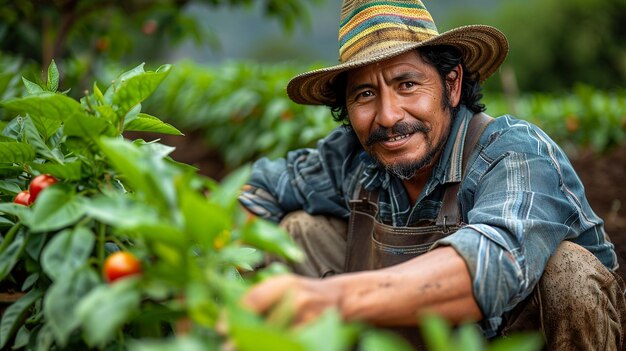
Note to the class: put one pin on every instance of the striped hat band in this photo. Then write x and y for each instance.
(388, 22)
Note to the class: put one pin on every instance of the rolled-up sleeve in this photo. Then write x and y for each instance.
(306, 179)
(521, 211)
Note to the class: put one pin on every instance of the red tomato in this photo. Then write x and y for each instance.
(39, 183)
(121, 264)
(22, 198)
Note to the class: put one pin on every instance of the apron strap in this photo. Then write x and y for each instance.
(450, 213)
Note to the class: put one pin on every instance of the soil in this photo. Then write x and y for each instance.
(602, 176)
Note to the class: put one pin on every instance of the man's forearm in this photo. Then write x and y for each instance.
(437, 281)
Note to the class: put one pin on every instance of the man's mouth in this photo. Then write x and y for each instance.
(399, 137)
(401, 130)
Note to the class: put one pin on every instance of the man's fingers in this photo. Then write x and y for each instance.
(266, 294)
(282, 313)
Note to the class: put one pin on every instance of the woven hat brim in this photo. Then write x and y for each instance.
(484, 48)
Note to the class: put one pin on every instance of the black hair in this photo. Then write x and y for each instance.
(444, 58)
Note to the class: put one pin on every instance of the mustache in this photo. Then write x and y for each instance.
(400, 128)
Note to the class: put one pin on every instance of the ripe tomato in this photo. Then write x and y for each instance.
(39, 183)
(121, 264)
(22, 198)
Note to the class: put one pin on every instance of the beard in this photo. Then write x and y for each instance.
(407, 169)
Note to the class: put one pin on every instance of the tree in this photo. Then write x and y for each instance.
(92, 31)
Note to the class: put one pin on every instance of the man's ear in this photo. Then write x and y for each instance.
(454, 80)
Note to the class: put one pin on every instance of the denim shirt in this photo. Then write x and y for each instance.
(520, 198)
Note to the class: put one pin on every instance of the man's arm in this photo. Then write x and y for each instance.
(306, 179)
(437, 281)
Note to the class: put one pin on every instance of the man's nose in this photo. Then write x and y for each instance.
(389, 110)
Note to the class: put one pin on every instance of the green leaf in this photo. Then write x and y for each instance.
(328, 333)
(187, 343)
(14, 152)
(7, 222)
(133, 87)
(119, 210)
(21, 338)
(160, 232)
(47, 105)
(10, 256)
(10, 171)
(54, 209)
(12, 316)
(44, 338)
(30, 281)
(201, 305)
(374, 340)
(269, 237)
(66, 252)
(227, 193)
(518, 342)
(242, 257)
(272, 270)
(106, 308)
(14, 129)
(146, 123)
(8, 187)
(437, 333)
(155, 150)
(470, 338)
(145, 171)
(21, 211)
(32, 88)
(62, 298)
(46, 126)
(35, 139)
(87, 126)
(53, 77)
(35, 243)
(97, 93)
(248, 338)
(66, 171)
(204, 220)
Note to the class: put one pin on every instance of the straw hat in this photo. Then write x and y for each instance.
(372, 31)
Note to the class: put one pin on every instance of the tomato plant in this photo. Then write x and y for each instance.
(114, 195)
(121, 264)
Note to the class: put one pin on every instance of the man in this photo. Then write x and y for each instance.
(421, 202)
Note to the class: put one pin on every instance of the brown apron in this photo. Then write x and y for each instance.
(373, 245)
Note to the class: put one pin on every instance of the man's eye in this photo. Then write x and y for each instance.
(365, 94)
(407, 85)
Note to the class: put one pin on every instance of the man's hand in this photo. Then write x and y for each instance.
(437, 281)
(304, 298)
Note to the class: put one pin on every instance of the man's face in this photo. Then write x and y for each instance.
(396, 107)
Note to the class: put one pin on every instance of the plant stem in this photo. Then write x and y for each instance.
(101, 242)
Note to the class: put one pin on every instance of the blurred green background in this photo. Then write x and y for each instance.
(232, 58)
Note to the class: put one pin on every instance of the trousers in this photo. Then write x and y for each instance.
(578, 304)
